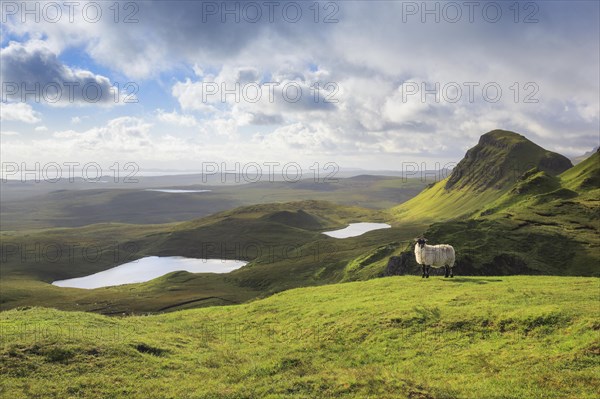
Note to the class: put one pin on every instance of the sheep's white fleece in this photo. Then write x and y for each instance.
(435, 255)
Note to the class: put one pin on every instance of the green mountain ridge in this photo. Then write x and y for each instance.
(586, 174)
(585, 156)
(499, 158)
(545, 222)
(487, 171)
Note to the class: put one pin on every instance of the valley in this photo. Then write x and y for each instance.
(515, 321)
(544, 221)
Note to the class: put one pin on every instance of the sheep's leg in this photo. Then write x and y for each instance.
(446, 271)
(423, 275)
(451, 272)
(427, 272)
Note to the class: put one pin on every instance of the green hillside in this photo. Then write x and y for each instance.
(487, 171)
(542, 223)
(499, 158)
(282, 243)
(585, 156)
(586, 175)
(400, 337)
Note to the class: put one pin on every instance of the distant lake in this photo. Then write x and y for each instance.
(177, 191)
(356, 229)
(149, 268)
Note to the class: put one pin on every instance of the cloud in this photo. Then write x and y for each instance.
(41, 129)
(176, 118)
(190, 96)
(259, 118)
(18, 112)
(124, 134)
(9, 133)
(31, 72)
(178, 48)
(253, 97)
(122, 139)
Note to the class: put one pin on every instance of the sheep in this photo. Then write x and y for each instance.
(434, 256)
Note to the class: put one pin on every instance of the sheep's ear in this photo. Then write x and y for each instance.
(416, 239)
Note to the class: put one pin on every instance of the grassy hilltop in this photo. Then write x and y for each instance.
(400, 337)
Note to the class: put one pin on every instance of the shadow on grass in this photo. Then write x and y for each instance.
(472, 280)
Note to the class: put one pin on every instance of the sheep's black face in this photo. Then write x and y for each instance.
(421, 242)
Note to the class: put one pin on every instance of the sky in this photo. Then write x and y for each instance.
(361, 84)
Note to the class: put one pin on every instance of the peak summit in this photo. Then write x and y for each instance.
(500, 157)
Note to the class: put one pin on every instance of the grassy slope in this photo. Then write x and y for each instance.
(583, 157)
(540, 223)
(488, 170)
(435, 203)
(585, 175)
(283, 242)
(557, 218)
(474, 337)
